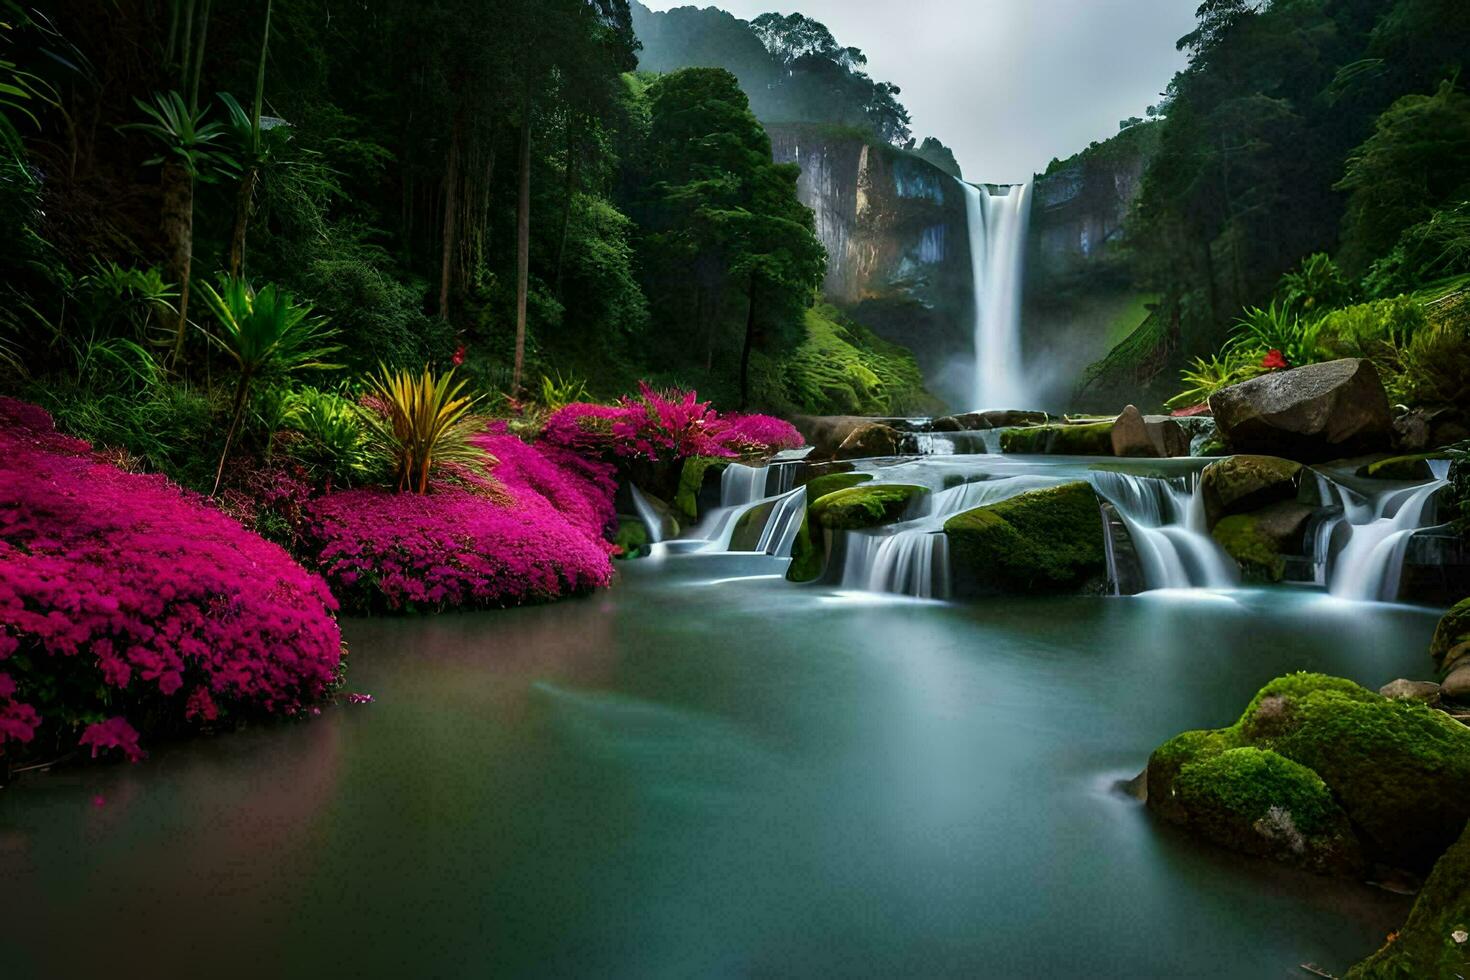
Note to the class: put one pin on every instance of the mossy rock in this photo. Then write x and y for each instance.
(1259, 802)
(1451, 643)
(1241, 484)
(1398, 769)
(1043, 541)
(691, 481)
(1403, 469)
(1085, 439)
(632, 537)
(862, 507)
(1435, 942)
(1259, 541)
(750, 525)
(809, 550)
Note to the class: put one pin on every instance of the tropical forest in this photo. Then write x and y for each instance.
(610, 488)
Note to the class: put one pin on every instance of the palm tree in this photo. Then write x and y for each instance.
(266, 334)
(191, 152)
(255, 151)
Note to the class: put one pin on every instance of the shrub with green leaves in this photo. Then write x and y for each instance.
(1205, 377)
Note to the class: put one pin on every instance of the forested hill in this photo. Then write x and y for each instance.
(791, 67)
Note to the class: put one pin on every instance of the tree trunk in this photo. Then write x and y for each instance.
(242, 389)
(566, 204)
(244, 208)
(523, 245)
(745, 351)
(178, 236)
(451, 212)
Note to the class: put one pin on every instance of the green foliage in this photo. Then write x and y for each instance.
(1314, 288)
(1434, 250)
(558, 391)
(1460, 485)
(1413, 164)
(1436, 367)
(1260, 331)
(267, 334)
(422, 423)
(185, 138)
(329, 437)
(841, 368)
(1207, 376)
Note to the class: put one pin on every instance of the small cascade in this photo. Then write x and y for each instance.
(914, 563)
(1369, 565)
(650, 518)
(1166, 520)
(968, 443)
(782, 525)
(998, 218)
(741, 484)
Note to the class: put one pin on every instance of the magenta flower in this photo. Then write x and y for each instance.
(114, 733)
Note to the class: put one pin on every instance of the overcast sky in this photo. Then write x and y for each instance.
(1008, 84)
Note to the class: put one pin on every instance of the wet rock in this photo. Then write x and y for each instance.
(1456, 686)
(1407, 690)
(1260, 540)
(870, 440)
(1154, 436)
(825, 434)
(1313, 413)
(1451, 643)
(1421, 429)
(1044, 541)
(1061, 439)
(1435, 941)
(1399, 770)
(1241, 484)
(699, 486)
(813, 545)
(975, 421)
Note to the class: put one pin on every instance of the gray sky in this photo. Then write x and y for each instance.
(1008, 84)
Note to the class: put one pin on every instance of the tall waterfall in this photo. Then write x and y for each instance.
(998, 219)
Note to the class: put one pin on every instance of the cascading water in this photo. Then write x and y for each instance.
(650, 518)
(1166, 520)
(1369, 566)
(998, 218)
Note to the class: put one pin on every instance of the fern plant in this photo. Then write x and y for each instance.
(1205, 377)
(423, 422)
(1276, 328)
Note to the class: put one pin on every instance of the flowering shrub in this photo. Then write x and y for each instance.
(1274, 360)
(123, 597)
(664, 427)
(534, 534)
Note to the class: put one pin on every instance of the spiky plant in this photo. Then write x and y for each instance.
(267, 334)
(425, 422)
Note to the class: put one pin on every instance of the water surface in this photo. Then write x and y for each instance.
(704, 774)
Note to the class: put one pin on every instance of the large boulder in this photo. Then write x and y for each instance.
(1260, 540)
(1435, 942)
(1399, 770)
(1148, 436)
(1241, 484)
(1313, 413)
(1044, 541)
(865, 506)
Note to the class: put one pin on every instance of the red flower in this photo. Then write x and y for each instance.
(1274, 361)
(458, 357)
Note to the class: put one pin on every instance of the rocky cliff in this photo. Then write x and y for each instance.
(897, 238)
(1081, 298)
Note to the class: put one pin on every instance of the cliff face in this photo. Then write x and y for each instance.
(897, 238)
(1081, 300)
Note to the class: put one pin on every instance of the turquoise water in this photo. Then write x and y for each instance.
(699, 773)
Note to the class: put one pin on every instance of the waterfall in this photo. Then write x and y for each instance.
(741, 484)
(1368, 567)
(998, 219)
(650, 518)
(1166, 520)
(912, 563)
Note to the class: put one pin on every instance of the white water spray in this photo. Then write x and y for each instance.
(998, 220)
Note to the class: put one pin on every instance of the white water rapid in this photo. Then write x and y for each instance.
(998, 219)
(1369, 566)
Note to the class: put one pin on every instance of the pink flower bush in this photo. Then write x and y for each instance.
(123, 596)
(534, 534)
(663, 427)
